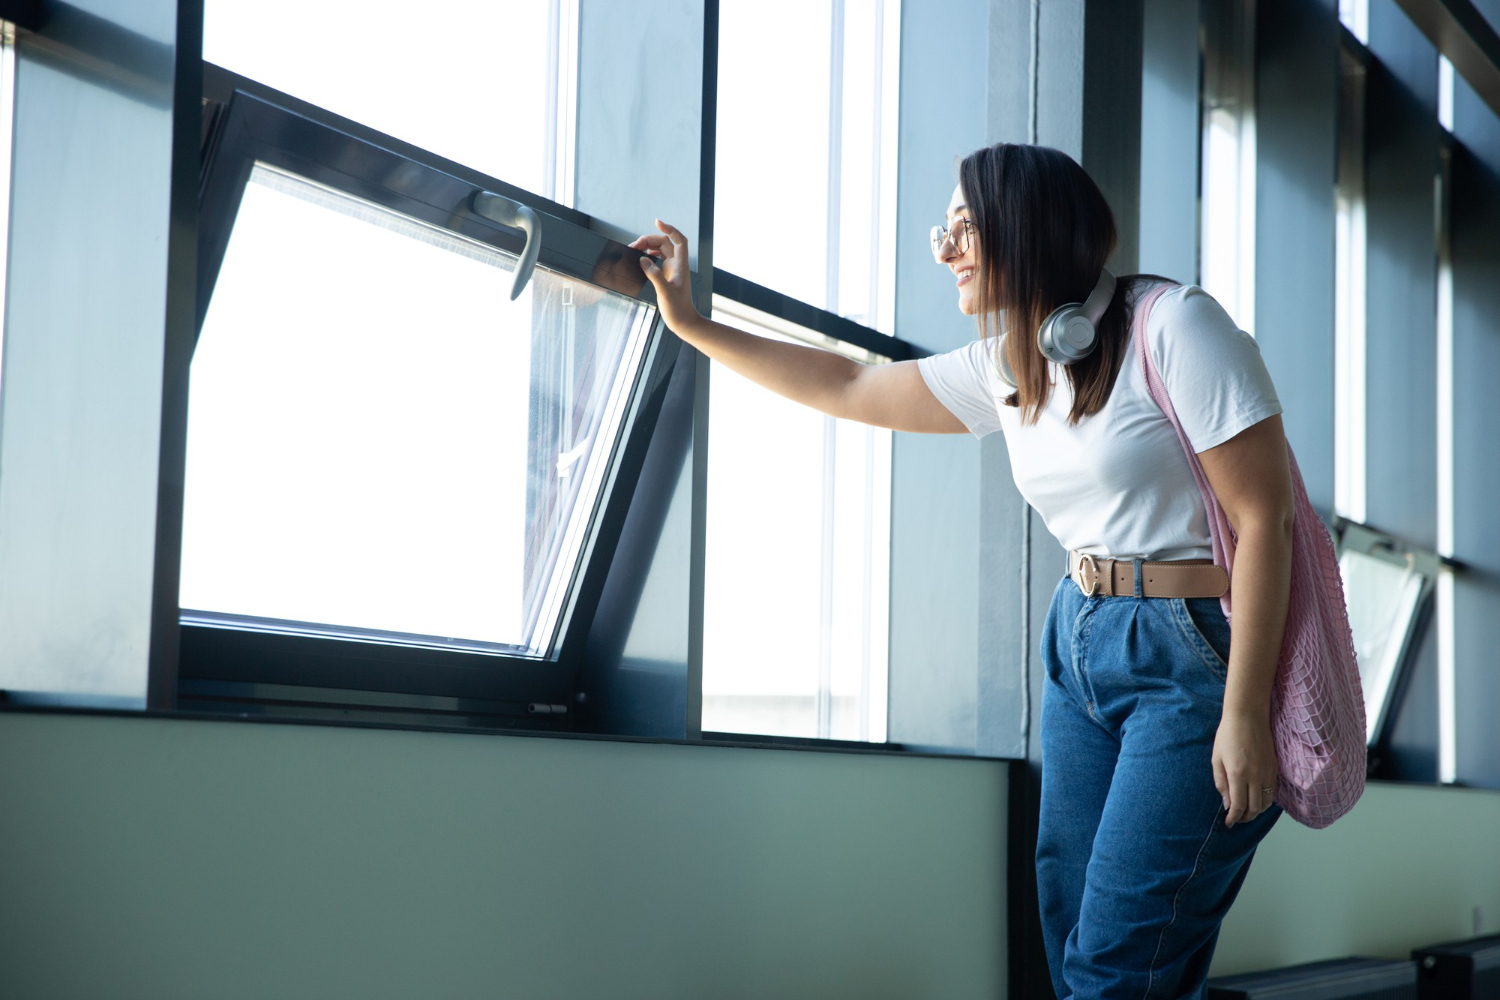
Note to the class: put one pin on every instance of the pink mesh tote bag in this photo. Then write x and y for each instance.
(1317, 705)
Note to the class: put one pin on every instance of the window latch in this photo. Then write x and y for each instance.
(498, 208)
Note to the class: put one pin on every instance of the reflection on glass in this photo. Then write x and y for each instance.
(486, 83)
(1383, 599)
(826, 171)
(378, 438)
(798, 560)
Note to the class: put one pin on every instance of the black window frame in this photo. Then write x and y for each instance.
(242, 664)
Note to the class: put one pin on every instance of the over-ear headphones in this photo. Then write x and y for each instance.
(1068, 334)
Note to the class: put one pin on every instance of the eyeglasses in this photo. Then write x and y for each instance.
(958, 236)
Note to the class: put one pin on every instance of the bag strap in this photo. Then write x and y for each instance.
(1220, 532)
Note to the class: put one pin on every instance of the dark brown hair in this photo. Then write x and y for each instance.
(1044, 233)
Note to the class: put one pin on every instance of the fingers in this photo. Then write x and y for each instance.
(664, 245)
(1221, 780)
(1247, 799)
(660, 246)
(653, 273)
(1237, 804)
(678, 240)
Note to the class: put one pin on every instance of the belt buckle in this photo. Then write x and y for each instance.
(1085, 559)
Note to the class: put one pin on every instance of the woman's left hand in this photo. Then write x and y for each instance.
(1244, 766)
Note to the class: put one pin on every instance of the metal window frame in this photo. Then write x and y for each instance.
(829, 324)
(231, 662)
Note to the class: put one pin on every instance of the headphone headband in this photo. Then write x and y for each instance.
(1100, 298)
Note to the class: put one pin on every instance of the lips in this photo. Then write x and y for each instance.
(965, 276)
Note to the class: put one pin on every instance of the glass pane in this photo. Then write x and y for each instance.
(1355, 15)
(485, 83)
(798, 553)
(1382, 598)
(1226, 266)
(7, 120)
(1349, 329)
(379, 438)
(829, 163)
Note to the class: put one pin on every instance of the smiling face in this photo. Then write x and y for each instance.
(964, 265)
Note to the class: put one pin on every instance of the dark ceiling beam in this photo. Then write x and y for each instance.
(22, 13)
(1462, 34)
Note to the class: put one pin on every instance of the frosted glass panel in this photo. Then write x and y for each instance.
(378, 438)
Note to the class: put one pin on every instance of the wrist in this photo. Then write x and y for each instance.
(1251, 711)
(684, 320)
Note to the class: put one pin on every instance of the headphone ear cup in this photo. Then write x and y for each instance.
(1066, 336)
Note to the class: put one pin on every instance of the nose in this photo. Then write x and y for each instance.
(947, 252)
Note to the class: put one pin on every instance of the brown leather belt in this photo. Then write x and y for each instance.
(1101, 577)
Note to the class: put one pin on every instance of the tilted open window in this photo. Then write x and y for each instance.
(385, 446)
(1389, 586)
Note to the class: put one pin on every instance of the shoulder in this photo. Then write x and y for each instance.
(967, 382)
(973, 363)
(1212, 370)
(1187, 322)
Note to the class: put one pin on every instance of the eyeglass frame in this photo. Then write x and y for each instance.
(939, 235)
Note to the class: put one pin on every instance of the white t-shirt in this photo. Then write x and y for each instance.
(1118, 484)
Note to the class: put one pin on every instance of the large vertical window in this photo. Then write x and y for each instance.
(1226, 266)
(797, 554)
(1349, 484)
(796, 594)
(492, 88)
(804, 196)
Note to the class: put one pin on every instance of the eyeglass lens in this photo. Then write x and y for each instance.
(959, 235)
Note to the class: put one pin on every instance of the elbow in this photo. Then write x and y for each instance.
(1271, 526)
(1283, 521)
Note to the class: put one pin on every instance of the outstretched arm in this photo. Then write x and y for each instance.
(891, 395)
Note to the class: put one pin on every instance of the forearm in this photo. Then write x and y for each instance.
(1262, 582)
(808, 375)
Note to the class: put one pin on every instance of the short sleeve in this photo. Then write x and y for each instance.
(1212, 369)
(962, 381)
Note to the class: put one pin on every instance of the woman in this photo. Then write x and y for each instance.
(1158, 766)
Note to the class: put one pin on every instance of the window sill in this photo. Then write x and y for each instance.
(357, 719)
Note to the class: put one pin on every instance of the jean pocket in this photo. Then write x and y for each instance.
(1202, 623)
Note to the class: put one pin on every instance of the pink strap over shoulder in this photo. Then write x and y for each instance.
(1317, 705)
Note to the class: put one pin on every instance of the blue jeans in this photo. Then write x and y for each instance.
(1135, 868)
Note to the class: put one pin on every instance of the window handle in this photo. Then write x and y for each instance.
(510, 213)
